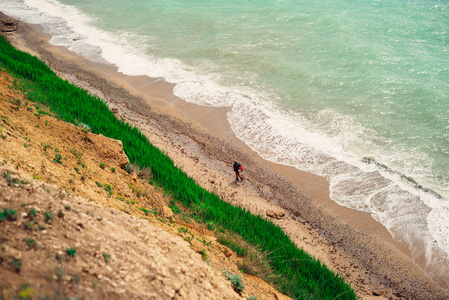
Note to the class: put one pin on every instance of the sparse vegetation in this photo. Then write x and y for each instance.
(204, 255)
(29, 226)
(8, 176)
(236, 281)
(58, 158)
(32, 213)
(45, 146)
(31, 243)
(71, 252)
(49, 217)
(17, 264)
(59, 272)
(8, 215)
(106, 256)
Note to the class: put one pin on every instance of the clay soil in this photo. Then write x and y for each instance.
(70, 194)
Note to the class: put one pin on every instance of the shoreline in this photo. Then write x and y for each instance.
(199, 140)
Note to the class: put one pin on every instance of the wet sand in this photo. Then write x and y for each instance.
(200, 141)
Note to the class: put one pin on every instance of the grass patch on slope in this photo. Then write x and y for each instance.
(298, 275)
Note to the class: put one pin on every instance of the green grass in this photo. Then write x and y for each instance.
(298, 275)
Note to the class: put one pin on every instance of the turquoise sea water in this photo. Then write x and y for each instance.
(357, 91)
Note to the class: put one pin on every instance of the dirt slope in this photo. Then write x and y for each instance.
(69, 194)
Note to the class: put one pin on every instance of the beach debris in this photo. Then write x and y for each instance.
(114, 110)
(275, 214)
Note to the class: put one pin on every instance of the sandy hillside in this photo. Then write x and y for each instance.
(200, 142)
(73, 223)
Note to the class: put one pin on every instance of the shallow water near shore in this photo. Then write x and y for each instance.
(356, 93)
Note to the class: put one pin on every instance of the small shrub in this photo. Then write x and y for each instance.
(108, 188)
(251, 297)
(32, 213)
(31, 243)
(130, 168)
(107, 257)
(8, 176)
(49, 217)
(58, 158)
(146, 211)
(17, 264)
(29, 226)
(85, 127)
(8, 214)
(59, 272)
(45, 146)
(236, 281)
(204, 255)
(71, 252)
(112, 170)
(27, 293)
(102, 165)
(146, 174)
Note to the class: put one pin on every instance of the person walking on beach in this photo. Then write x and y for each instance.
(238, 171)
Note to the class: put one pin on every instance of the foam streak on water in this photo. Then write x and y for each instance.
(353, 91)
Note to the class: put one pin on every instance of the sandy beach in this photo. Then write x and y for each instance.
(200, 141)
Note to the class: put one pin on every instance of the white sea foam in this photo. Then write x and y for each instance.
(411, 214)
